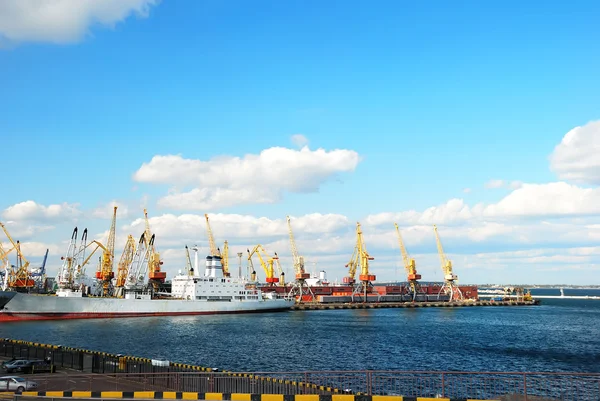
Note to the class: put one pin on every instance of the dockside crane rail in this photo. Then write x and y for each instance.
(410, 266)
(214, 251)
(105, 272)
(155, 275)
(21, 277)
(450, 278)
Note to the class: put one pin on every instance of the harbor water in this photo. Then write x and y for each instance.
(560, 335)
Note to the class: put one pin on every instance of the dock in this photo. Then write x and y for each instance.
(379, 305)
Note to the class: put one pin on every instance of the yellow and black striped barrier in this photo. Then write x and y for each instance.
(172, 395)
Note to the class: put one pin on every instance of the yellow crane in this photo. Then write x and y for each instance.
(411, 270)
(214, 251)
(225, 259)
(449, 287)
(360, 258)
(5, 263)
(300, 288)
(268, 264)
(20, 278)
(125, 261)
(155, 275)
(105, 272)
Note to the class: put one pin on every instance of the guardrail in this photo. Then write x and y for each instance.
(456, 385)
(120, 373)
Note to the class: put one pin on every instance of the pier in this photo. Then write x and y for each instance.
(378, 305)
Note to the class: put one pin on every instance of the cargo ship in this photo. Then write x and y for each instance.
(190, 294)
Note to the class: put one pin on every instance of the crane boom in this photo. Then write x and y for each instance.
(211, 240)
(105, 272)
(125, 261)
(410, 266)
(155, 275)
(360, 258)
(297, 259)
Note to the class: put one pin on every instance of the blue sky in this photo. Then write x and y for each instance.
(434, 97)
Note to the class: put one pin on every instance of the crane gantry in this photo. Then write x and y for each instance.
(105, 272)
(155, 275)
(214, 251)
(268, 264)
(411, 270)
(299, 287)
(449, 287)
(360, 258)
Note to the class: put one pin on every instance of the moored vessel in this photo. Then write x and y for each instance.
(190, 294)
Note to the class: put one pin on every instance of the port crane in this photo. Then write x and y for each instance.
(449, 287)
(268, 264)
(66, 273)
(214, 251)
(299, 288)
(72, 271)
(105, 272)
(19, 277)
(360, 258)
(138, 267)
(125, 261)
(413, 285)
(155, 275)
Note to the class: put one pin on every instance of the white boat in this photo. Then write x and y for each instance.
(191, 294)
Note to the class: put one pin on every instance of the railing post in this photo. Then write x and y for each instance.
(525, 385)
(443, 384)
(369, 382)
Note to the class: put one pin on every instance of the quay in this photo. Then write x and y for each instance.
(378, 305)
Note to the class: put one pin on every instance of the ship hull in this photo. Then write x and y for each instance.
(49, 307)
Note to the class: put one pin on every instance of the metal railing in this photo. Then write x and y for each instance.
(105, 372)
(475, 385)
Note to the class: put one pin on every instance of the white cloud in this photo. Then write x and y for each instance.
(30, 210)
(227, 181)
(106, 211)
(63, 21)
(299, 140)
(192, 227)
(37, 249)
(552, 199)
(467, 190)
(494, 184)
(577, 157)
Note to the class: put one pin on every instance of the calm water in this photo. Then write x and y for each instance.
(559, 335)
